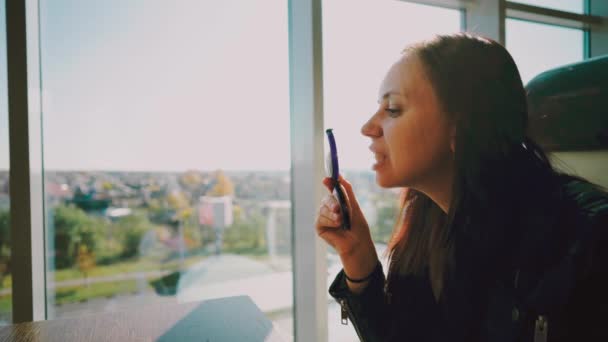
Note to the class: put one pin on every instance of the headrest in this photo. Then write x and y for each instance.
(568, 106)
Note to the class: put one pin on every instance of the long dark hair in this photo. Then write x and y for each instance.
(480, 90)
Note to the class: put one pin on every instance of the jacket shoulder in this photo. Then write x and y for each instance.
(590, 198)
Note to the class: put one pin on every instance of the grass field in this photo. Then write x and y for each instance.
(108, 289)
(129, 266)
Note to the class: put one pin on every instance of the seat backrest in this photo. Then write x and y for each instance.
(568, 117)
(591, 165)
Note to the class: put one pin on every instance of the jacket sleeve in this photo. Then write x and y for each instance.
(589, 306)
(368, 311)
(592, 296)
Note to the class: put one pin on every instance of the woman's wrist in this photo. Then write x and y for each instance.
(367, 277)
(358, 287)
(360, 265)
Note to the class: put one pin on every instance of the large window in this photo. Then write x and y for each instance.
(5, 227)
(166, 141)
(166, 153)
(359, 45)
(538, 47)
(575, 6)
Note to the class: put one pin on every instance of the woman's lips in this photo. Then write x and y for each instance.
(380, 160)
(379, 156)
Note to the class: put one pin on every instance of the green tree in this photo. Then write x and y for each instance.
(131, 229)
(246, 234)
(5, 232)
(5, 237)
(73, 227)
(193, 236)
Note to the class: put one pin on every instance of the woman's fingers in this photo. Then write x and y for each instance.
(348, 188)
(329, 183)
(328, 216)
(325, 222)
(330, 202)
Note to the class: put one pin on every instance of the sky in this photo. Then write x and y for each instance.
(155, 85)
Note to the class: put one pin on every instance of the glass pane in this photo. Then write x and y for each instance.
(359, 45)
(161, 183)
(539, 47)
(575, 6)
(5, 227)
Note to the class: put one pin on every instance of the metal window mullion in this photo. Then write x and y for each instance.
(551, 16)
(486, 18)
(306, 107)
(27, 238)
(453, 4)
(586, 32)
(598, 34)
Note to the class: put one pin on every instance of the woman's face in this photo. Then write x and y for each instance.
(411, 139)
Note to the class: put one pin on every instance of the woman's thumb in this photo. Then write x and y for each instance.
(328, 183)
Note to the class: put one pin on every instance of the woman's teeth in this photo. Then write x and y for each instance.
(379, 157)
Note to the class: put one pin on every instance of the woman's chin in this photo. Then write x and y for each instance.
(383, 181)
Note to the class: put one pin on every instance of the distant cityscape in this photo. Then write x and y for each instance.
(107, 191)
(121, 239)
(216, 209)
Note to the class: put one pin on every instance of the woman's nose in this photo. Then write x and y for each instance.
(371, 128)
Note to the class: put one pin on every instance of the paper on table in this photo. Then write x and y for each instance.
(224, 319)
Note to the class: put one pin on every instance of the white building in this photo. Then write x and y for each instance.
(215, 211)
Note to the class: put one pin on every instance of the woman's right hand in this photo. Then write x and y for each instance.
(346, 242)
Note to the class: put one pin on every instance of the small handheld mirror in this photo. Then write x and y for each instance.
(333, 171)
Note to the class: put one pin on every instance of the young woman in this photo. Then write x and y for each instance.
(492, 243)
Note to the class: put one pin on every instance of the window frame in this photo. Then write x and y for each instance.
(26, 184)
(551, 16)
(306, 134)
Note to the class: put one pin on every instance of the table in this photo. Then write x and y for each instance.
(217, 320)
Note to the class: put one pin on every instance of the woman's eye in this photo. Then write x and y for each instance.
(393, 111)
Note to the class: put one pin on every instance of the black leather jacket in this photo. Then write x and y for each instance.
(562, 297)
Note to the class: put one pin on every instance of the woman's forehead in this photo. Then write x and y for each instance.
(400, 78)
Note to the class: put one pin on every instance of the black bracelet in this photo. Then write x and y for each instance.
(378, 265)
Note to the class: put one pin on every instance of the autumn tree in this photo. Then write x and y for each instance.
(191, 179)
(85, 260)
(180, 204)
(223, 185)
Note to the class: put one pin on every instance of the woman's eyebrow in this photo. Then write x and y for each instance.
(387, 94)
